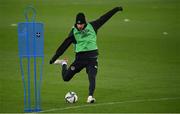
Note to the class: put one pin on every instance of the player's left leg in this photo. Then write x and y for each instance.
(68, 73)
(91, 70)
(75, 67)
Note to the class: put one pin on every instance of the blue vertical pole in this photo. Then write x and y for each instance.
(24, 83)
(28, 69)
(39, 86)
(35, 78)
(20, 35)
(41, 69)
(29, 87)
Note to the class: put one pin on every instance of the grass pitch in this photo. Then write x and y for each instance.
(139, 57)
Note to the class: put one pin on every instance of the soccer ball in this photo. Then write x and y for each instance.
(71, 97)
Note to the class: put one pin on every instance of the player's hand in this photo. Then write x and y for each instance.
(120, 8)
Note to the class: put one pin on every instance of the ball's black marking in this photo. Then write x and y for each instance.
(71, 95)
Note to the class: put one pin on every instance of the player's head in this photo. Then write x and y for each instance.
(80, 21)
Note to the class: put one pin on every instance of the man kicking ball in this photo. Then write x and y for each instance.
(83, 35)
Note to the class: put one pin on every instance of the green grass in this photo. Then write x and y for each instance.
(136, 62)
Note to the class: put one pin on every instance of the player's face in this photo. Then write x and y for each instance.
(80, 26)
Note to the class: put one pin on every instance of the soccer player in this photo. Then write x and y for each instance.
(83, 35)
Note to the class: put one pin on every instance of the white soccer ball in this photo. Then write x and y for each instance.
(71, 97)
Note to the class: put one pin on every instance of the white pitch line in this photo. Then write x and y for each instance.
(111, 103)
(165, 33)
(13, 25)
(126, 20)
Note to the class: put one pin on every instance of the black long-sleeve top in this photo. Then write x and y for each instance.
(97, 24)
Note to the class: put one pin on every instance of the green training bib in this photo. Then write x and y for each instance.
(86, 39)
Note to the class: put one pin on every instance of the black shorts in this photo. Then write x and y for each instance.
(91, 65)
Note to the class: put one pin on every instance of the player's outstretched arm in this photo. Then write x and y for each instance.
(62, 48)
(104, 18)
